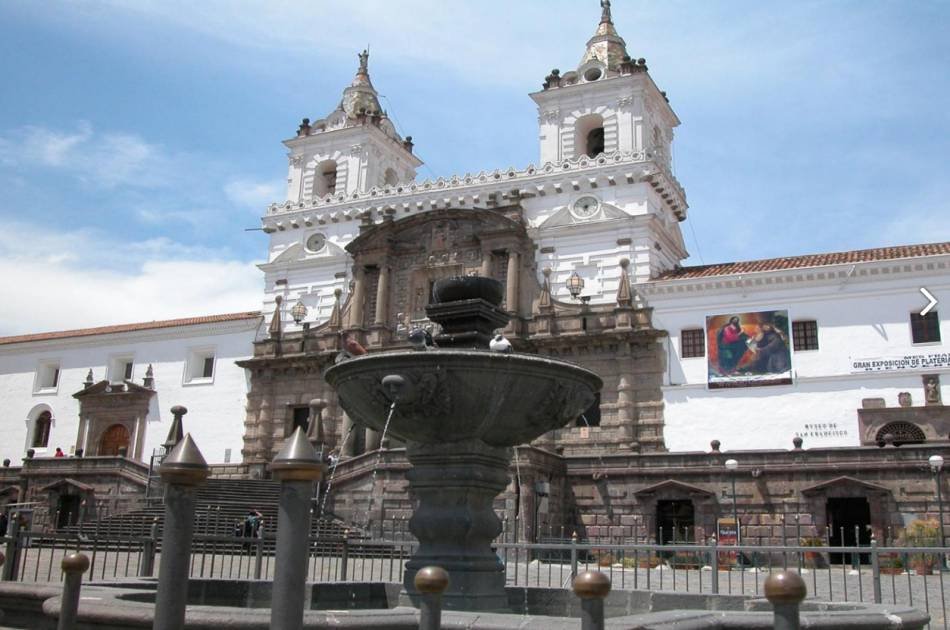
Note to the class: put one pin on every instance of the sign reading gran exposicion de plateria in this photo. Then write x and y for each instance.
(921, 361)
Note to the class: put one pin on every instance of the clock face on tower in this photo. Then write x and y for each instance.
(585, 207)
(316, 242)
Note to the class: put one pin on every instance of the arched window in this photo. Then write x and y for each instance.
(324, 179)
(903, 432)
(390, 179)
(41, 429)
(589, 136)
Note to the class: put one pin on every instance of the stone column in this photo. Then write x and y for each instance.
(372, 439)
(511, 290)
(297, 467)
(348, 445)
(359, 296)
(456, 484)
(485, 271)
(182, 471)
(382, 296)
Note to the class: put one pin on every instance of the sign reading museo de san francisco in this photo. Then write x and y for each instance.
(919, 361)
(748, 349)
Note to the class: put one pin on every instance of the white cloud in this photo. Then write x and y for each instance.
(83, 278)
(254, 194)
(101, 160)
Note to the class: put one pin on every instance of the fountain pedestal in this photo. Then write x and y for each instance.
(456, 484)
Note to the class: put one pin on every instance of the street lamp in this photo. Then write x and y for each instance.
(732, 466)
(298, 312)
(575, 284)
(936, 466)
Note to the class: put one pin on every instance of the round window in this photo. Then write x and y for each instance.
(592, 74)
(316, 242)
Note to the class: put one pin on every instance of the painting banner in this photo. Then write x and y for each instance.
(748, 349)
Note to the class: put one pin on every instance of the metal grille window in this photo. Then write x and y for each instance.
(693, 343)
(805, 335)
(925, 328)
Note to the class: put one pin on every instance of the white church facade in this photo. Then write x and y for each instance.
(834, 354)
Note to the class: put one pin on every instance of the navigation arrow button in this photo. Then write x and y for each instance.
(931, 299)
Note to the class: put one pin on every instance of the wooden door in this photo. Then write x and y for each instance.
(114, 438)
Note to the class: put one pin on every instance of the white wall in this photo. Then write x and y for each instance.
(216, 409)
(864, 316)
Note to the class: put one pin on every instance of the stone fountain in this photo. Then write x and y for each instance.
(461, 409)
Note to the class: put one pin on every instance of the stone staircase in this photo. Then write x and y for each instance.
(221, 506)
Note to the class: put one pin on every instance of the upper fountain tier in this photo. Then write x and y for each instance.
(453, 394)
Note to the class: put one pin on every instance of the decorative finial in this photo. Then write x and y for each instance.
(605, 11)
(89, 381)
(364, 59)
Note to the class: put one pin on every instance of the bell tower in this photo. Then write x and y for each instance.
(608, 103)
(353, 149)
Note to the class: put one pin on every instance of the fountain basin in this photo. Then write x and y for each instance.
(459, 395)
(129, 605)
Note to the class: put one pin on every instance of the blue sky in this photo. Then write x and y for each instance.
(138, 139)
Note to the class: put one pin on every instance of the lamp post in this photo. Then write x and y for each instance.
(936, 466)
(732, 465)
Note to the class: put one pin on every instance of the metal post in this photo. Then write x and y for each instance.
(714, 563)
(147, 568)
(74, 565)
(574, 554)
(345, 555)
(258, 556)
(592, 587)
(431, 582)
(785, 591)
(297, 466)
(13, 531)
(875, 571)
(735, 511)
(943, 537)
(181, 472)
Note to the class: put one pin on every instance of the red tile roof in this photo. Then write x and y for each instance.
(810, 260)
(106, 330)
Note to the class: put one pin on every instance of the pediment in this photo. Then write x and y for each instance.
(564, 217)
(298, 253)
(69, 483)
(106, 388)
(673, 486)
(845, 482)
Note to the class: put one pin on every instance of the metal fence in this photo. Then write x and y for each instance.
(914, 576)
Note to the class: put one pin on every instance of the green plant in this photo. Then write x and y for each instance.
(922, 533)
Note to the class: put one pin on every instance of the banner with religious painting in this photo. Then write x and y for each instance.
(748, 349)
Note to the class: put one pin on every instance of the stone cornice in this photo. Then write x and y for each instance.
(485, 189)
(133, 337)
(841, 274)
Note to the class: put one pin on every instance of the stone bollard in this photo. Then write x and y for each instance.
(592, 587)
(297, 467)
(431, 582)
(785, 591)
(183, 469)
(74, 565)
